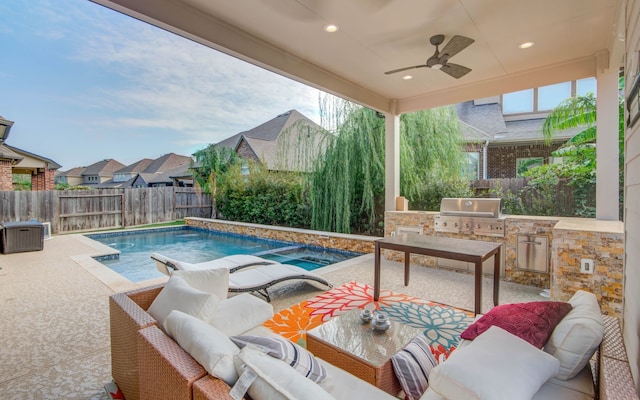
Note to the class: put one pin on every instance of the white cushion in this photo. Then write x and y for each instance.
(275, 379)
(179, 295)
(214, 281)
(495, 366)
(283, 349)
(208, 346)
(577, 336)
(238, 314)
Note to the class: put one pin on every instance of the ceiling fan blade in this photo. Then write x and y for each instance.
(455, 70)
(455, 46)
(405, 69)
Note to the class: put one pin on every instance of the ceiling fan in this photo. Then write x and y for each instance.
(440, 59)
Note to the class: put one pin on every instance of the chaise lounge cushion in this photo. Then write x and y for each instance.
(179, 295)
(207, 345)
(485, 369)
(577, 336)
(533, 321)
(275, 379)
(214, 281)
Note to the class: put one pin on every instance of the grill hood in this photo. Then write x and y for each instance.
(471, 207)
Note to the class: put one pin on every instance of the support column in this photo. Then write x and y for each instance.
(391, 160)
(607, 150)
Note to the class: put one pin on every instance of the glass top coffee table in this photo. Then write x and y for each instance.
(347, 342)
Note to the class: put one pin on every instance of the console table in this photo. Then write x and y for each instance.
(474, 251)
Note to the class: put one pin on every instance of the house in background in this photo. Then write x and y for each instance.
(21, 162)
(99, 172)
(288, 142)
(149, 173)
(72, 177)
(503, 134)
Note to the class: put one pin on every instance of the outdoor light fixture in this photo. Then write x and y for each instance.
(526, 45)
(331, 28)
(5, 127)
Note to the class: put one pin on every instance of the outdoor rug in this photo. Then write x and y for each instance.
(442, 324)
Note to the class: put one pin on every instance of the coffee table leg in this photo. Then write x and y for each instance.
(478, 283)
(376, 276)
(407, 262)
(496, 278)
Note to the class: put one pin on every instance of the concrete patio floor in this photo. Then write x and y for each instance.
(54, 336)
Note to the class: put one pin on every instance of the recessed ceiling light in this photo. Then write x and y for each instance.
(526, 45)
(331, 28)
(407, 77)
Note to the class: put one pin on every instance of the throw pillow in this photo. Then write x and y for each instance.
(177, 294)
(299, 358)
(412, 366)
(214, 281)
(532, 321)
(495, 366)
(577, 336)
(208, 346)
(238, 314)
(275, 379)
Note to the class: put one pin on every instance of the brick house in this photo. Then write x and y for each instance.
(17, 161)
(150, 172)
(500, 144)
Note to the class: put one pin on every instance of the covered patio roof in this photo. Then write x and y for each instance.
(572, 38)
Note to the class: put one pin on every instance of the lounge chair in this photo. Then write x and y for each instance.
(260, 279)
(234, 263)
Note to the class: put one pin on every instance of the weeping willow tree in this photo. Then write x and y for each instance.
(347, 185)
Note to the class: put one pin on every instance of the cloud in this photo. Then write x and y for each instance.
(166, 81)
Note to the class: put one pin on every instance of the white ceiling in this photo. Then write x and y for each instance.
(573, 38)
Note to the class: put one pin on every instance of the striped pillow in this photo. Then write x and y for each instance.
(299, 358)
(412, 366)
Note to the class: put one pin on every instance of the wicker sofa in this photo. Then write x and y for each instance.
(147, 364)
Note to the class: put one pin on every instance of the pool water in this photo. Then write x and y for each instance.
(195, 245)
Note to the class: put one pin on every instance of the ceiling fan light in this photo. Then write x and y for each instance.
(407, 77)
(526, 45)
(436, 66)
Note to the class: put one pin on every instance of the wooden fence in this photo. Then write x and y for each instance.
(81, 210)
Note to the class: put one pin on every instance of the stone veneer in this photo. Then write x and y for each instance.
(569, 240)
(601, 241)
(356, 243)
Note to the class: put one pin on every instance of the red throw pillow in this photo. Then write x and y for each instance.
(532, 321)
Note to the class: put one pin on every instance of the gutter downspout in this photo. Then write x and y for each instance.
(484, 159)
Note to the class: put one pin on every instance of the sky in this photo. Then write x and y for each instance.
(83, 83)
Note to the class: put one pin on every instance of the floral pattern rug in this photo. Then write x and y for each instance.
(442, 324)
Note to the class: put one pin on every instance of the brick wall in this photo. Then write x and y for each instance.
(43, 180)
(245, 151)
(502, 159)
(6, 179)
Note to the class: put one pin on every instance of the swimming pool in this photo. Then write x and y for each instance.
(194, 245)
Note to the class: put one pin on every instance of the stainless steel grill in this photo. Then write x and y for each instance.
(470, 216)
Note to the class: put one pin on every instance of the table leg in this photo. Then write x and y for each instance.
(478, 291)
(407, 261)
(496, 278)
(376, 276)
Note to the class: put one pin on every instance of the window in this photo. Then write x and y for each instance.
(550, 96)
(545, 98)
(471, 169)
(518, 102)
(525, 164)
(584, 86)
